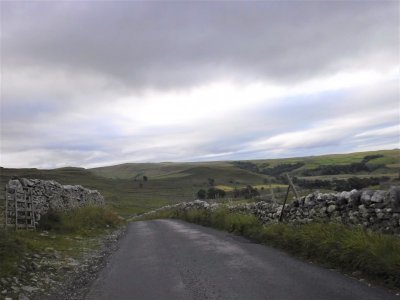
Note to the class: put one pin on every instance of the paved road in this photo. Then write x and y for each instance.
(173, 260)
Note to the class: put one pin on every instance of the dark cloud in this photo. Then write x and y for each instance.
(175, 44)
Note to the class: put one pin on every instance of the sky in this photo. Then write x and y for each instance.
(95, 83)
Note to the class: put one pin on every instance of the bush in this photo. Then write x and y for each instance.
(248, 192)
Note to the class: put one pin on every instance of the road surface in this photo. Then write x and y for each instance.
(174, 260)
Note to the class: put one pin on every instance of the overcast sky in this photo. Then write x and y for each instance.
(88, 84)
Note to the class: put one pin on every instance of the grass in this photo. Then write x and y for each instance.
(389, 157)
(170, 183)
(350, 249)
(69, 233)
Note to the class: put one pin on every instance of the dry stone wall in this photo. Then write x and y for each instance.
(45, 195)
(376, 210)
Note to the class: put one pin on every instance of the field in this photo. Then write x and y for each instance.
(138, 187)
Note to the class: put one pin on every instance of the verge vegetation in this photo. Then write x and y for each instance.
(67, 232)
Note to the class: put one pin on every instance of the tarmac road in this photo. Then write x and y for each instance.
(173, 260)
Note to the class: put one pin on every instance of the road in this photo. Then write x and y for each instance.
(173, 260)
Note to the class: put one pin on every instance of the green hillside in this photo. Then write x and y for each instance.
(132, 194)
(389, 157)
(126, 189)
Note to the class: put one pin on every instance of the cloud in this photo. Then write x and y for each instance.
(391, 131)
(87, 84)
(169, 45)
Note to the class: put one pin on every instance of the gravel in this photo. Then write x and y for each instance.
(48, 275)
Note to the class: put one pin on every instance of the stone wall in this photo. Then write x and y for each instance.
(48, 194)
(377, 210)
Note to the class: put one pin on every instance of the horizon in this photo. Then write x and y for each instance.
(101, 84)
(208, 161)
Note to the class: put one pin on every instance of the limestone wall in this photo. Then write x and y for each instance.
(48, 194)
(377, 210)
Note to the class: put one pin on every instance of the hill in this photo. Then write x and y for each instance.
(138, 187)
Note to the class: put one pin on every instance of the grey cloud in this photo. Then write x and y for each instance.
(93, 139)
(64, 65)
(175, 44)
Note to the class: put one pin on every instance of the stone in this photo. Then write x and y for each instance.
(341, 201)
(366, 196)
(35, 266)
(22, 297)
(29, 289)
(15, 288)
(309, 200)
(378, 196)
(362, 209)
(380, 215)
(312, 212)
(354, 198)
(331, 208)
(344, 195)
(394, 197)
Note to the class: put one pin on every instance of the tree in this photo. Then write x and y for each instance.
(201, 194)
(145, 178)
(247, 192)
(211, 181)
(213, 193)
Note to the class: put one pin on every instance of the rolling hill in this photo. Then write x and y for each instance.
(127, 191)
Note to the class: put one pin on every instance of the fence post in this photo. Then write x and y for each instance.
(290, 185)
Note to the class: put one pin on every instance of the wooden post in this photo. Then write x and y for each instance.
(292, 186)
(284, 202)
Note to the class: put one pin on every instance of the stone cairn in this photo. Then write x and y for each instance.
(376, 210)
(28, 199)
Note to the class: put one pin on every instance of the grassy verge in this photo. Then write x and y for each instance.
(70, 233)
(370, 255)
